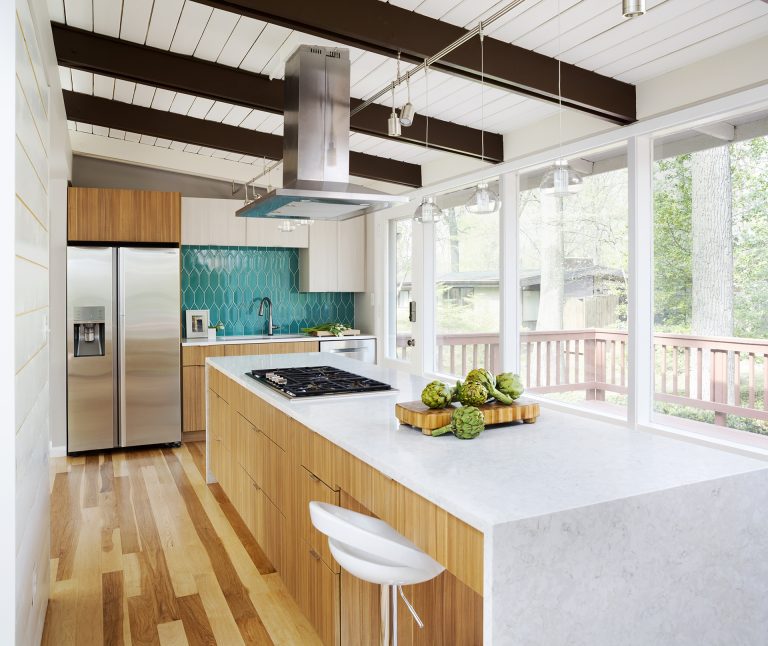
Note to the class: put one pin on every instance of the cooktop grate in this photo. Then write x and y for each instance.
(316, 381)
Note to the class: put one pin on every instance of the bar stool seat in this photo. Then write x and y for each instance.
(373, 551)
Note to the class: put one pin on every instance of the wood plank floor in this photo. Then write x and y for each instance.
(144, 552)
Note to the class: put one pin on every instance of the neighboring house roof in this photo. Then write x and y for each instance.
(528, 278)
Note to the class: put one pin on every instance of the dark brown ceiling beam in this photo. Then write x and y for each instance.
(387, 29)
(212, 134)
(121, 59)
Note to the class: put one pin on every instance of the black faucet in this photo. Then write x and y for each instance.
(270, 328)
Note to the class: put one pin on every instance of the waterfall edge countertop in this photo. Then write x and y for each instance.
(263, 338)
(509, 472)
(593, 534)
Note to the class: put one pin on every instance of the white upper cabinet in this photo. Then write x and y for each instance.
(335, 258)
(263, 232)
(208, 221)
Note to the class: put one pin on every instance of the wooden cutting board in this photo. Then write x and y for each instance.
(344, 333)
(419, 416)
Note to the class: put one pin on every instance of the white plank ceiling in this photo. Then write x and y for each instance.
(588, 33)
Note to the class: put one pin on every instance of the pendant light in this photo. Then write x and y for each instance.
(633, 8)
(560, 181)
(393, 123)
(427, 212)
(407, 112)
(483, 200)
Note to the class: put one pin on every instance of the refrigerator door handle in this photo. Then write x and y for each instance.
(122, 423)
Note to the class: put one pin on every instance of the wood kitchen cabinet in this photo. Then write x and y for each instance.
(334, 261)
(193, 373)
(270, 467)
(209, 221)
(120, 215)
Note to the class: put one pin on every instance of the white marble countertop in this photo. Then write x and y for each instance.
(276, 338)
(508, 473)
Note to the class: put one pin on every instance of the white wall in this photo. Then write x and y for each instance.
(41, 159)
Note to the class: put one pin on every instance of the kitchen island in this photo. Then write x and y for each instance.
(586, 532)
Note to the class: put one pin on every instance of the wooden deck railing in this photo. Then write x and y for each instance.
(728, 376)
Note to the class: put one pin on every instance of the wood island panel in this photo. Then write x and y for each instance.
(270, 467)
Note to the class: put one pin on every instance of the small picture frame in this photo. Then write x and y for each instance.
(197, 324)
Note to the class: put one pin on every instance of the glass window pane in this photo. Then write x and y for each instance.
(401, 288)
(467, 286)
(573, 251)
(711, 279)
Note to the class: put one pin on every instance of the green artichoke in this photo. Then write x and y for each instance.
(509, 383)
(466, 423)
(482, 376)
(436, 395)
(473, 393)
(456, 391)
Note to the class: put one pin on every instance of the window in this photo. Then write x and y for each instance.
(711, 278)
(573, 254)
(466, 286)
(400, 280)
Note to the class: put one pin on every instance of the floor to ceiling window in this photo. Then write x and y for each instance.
(573, 252)
(711, 276)
(466, 255)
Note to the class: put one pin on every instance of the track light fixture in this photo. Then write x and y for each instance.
(633, 8)
(407, 112)
(393, 123)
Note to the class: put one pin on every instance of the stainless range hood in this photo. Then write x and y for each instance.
(316, 145)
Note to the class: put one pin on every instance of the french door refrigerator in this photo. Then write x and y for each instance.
(123, 331)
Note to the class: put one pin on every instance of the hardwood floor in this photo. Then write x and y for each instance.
(144, 552)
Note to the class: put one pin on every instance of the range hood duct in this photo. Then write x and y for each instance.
(316, 145)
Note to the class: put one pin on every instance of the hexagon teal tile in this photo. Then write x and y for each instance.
(230, 281)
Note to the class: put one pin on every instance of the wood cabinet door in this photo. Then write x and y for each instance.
(318, 264)
(193, 398)
(352, 255)
(123, 215)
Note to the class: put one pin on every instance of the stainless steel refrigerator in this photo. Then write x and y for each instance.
(123, 331)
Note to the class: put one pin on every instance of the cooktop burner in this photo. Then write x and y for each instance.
(316, 381)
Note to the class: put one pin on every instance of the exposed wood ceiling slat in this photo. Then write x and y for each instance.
(86, 51)
(91, 110)
(387, 29)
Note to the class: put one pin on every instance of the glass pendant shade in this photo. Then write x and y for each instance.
(483, 200)
(561, 180)
(427, 212)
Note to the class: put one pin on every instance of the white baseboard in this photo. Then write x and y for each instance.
(56, 451)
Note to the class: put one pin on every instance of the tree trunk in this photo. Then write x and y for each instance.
(453, 239)
(712, 262)
(552, 286)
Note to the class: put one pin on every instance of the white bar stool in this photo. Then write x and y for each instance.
(371, 550)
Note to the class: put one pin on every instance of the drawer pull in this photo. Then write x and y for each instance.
(314, 554)
(313, 476)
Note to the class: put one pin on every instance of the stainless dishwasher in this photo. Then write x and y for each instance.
(360, 349)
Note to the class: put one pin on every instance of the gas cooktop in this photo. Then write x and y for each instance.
(316, 381)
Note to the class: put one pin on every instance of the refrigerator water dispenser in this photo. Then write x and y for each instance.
(88, 331)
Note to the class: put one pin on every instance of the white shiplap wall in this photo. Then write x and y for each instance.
(31, 331)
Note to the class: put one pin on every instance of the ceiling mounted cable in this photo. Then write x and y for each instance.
(469, 35)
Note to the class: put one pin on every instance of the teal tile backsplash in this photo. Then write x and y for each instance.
(230, 282)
